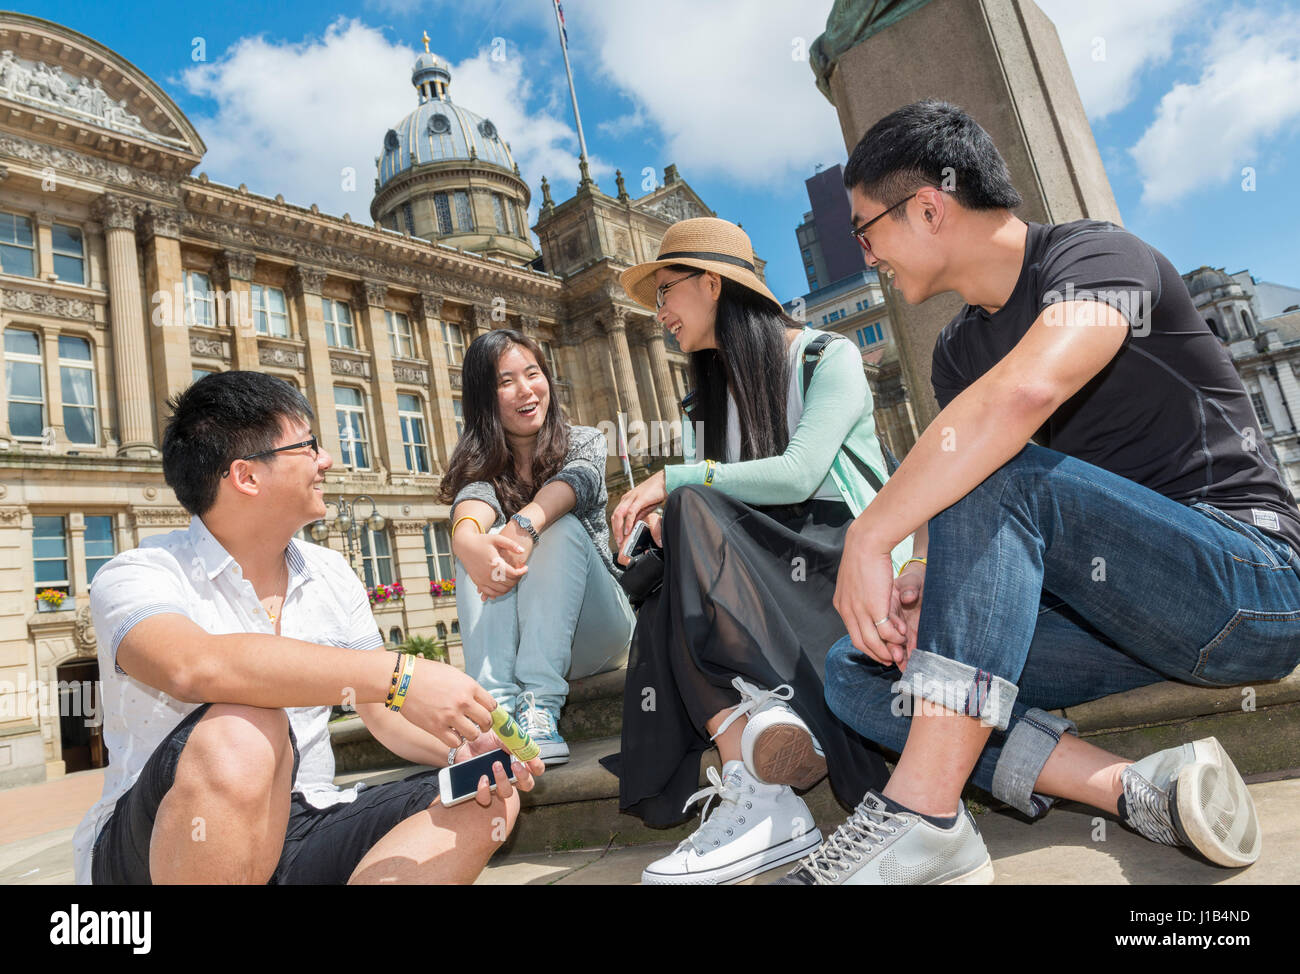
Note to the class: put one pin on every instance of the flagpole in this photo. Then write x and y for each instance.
(573, 94)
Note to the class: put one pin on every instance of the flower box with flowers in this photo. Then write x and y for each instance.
(386, 595)
(53, 600)
(440, 589)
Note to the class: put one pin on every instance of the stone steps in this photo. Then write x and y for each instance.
(576, 805)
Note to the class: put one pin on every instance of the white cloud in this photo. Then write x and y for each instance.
(719, 81)
(1110, 43)
(290, 118)
(1249, 91)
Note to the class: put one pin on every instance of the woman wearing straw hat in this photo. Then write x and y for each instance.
(732, 648)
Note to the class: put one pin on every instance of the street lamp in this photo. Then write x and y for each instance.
(349, 527)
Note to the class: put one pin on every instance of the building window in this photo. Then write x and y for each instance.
(408, 215)
(464, 218)
(376, 558)
(270, 313)
(395, 635)
(521, 221)
(17, 246)
(454, 342)
(349, 409)
(499, 212)
(1261, 409)
(77, 377)
(414, 443)
(198, 300)
(399, 335)
(443, 209)
(549, 353)
(69, 254)
(50, 554)
(99, 544)
(437, 552)
(459, 410)
(339, 330)
(870, 335)
(24, 383)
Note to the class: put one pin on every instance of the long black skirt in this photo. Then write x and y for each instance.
(747, 592)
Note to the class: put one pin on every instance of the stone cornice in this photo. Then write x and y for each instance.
(87, 167)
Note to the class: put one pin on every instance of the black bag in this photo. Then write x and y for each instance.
(645, 575)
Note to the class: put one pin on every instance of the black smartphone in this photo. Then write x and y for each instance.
(460, 781)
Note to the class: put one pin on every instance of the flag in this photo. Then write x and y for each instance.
(559, 9)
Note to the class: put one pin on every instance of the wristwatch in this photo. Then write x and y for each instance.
(527, 525)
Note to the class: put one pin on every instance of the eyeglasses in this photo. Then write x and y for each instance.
(315, 449)
(662, 288)
(860, 233)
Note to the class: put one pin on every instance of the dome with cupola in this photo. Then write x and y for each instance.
(446, 173)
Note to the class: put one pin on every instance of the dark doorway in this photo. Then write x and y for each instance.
(81, 716)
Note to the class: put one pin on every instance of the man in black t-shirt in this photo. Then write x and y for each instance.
(1143, 535)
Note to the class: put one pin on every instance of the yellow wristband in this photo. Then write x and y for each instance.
(404, 684)
(708, 472)
(466, 517)
(908, 562)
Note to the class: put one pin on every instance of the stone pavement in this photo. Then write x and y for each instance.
(37, 822)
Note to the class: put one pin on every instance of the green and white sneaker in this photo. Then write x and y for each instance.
(885, 844)
(1192, 795)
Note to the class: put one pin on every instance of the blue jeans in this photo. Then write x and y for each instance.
(1055, 582)
(566, 618)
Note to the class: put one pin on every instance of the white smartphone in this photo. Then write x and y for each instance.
(460, 782)
(638, 540)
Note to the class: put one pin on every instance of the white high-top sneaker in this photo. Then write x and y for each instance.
(753, 828)
(777, 746)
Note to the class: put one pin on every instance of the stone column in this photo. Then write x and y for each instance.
(44, 255)
(480, 323)
(304, 290)
(427, 307)
(370, 297)
(1288, 388)
(412, 568)
(615, 324)
(1001, 60)
(135, 432)
(648, 396)
(233, 275)
(159, 232)
(669, 408)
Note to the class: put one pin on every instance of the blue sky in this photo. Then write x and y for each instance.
(1191, 102)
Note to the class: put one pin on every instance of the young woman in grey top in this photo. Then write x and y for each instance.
(536, 589)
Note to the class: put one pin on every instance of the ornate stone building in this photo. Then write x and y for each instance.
(123, 278)
(1259, 324)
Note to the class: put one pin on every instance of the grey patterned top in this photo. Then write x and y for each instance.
(584, 471)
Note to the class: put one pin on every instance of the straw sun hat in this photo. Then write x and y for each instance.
(705, 242)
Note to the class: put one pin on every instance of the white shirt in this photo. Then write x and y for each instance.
(793, 413)
(190, 573)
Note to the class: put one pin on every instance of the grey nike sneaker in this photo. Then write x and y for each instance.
(884, 844)
(1192, 795)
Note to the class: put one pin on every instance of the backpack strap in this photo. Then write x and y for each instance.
(812, 354)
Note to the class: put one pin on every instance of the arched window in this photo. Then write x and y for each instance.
(442, 630)
(395, 635)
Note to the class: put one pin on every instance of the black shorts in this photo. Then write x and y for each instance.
(322, 846)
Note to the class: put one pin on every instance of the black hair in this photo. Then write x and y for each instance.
(751, 361)
(217, 420)
(482, 452)
(930, 143)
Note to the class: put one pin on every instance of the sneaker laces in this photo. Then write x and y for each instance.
(535, 721)
(752, 699)
(849, 844)
(715, 828)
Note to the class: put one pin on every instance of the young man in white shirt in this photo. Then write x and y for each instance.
(222, 649)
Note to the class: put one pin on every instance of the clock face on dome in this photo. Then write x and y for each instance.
(391, 141)
(439, 123)
(487, 129)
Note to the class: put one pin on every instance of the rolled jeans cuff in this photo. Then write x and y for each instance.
(959, 687)
(1026, 750)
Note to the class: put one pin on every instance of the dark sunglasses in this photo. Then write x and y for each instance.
(315, 449)
(860, 233)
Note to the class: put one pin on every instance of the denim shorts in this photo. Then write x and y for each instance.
(322, 846)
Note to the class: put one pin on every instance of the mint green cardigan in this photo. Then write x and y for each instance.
(837, 410)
